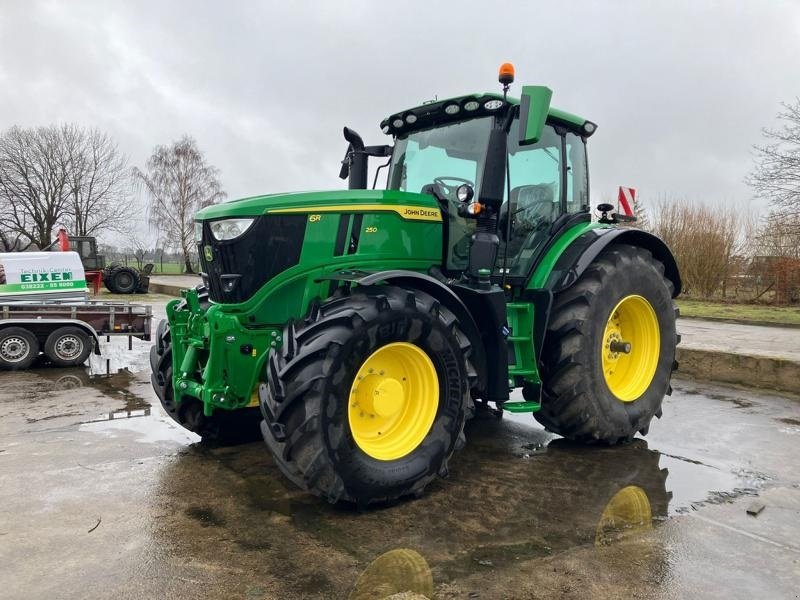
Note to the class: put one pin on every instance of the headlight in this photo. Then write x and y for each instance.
(228, 229)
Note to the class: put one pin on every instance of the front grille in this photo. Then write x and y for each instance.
(239, 267)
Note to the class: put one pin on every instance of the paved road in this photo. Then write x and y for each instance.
(775, 342)
(101, 495)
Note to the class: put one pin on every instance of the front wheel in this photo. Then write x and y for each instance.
(366, 399)
(224, 427)
(610, 349)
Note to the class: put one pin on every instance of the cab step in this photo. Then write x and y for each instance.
(522, 407)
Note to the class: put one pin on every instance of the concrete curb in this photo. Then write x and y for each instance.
(740, 369)
(704, 365)
(744, 322)
(166, 288)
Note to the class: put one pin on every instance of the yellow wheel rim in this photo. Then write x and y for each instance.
(627, 513)
(393, 401)
(631, 347)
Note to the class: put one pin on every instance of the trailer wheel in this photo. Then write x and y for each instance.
(122, 280)
(18, 348)
(367, 397)
(68, 346)
(610, 349)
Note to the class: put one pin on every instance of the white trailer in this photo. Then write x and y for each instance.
(45, 308)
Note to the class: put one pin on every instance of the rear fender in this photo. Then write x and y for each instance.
(579, 255)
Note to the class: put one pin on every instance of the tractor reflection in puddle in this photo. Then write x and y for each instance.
(519, 496)
(628, 514)
(393, 572)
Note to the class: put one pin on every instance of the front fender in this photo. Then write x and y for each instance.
(439, 290)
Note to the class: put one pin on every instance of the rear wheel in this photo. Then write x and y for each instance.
(366, 399)
(610, 349)
(224, 427)
(18, 348)
(122, 280)
(68, 346)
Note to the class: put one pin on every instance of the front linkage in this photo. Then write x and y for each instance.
(216, 359)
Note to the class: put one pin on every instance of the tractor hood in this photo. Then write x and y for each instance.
(246, 243)
(420, 206)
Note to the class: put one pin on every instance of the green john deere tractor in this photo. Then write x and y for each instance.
(361, 328)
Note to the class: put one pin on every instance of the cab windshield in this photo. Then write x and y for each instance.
(451, 151)
(548, 179)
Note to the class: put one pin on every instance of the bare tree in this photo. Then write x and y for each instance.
(705, 240)
(59, 175)
(179, 182)
(776, 176)
(139, 250)
(11, 241)
(640, 212)
(99, 184)
(778, 235)
(34, 182)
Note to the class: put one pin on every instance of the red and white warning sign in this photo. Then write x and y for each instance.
(626, 200)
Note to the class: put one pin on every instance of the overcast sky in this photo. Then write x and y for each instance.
(680, 90)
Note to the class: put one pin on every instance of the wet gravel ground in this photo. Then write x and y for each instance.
(101, 495)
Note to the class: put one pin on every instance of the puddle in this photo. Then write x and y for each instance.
(495, 510)
(116, 356)
(148, 425)
(115, 384)
(691, 483)
(694, 484)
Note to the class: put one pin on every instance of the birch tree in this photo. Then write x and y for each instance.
(178, 182)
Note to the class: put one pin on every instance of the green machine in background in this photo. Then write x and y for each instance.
(359, 329)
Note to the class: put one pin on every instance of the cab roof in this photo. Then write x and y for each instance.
(433, 113)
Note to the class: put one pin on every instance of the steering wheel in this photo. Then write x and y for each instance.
(446, 190)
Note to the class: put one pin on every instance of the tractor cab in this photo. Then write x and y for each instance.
(448, 158)
(508, 174)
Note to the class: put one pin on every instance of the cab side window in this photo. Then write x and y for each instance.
(577, 174)
(535, 196)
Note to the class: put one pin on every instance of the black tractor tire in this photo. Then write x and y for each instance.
(223, 428)
(305, 402)
(577, 403)
(122, 280)
(68, 346)
(19, 348)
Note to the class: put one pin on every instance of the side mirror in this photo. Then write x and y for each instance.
(534, 105)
